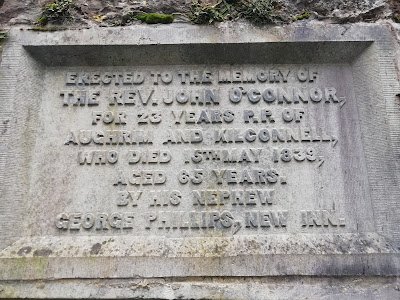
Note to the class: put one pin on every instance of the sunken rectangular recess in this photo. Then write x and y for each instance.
(192, 54)
(354, 253)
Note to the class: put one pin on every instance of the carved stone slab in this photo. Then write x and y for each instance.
(174, 151)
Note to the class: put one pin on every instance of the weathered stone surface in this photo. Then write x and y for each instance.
(285, 287)
(341, 198)
(340, 11)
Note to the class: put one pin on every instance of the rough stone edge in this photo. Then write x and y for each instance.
(255, 288)
(375, 81)
(158, 246)
(241, 265)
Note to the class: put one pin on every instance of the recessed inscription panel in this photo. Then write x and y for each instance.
(180, 151)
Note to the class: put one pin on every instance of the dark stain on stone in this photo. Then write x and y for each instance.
(1, 3)
(95, 249)
(42, 252)
(24, 251)
(397, 99)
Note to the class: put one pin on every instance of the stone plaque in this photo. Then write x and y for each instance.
(180, 152)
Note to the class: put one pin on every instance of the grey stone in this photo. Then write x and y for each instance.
(286, 287)
(320, 221)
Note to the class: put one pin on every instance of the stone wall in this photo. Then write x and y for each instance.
(28, 11)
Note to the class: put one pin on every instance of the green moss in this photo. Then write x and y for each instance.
(47, 28)
(153, 18)
(57, 12)
(258, 12)
(208, 14)
(305, 15)
(43, 21)
(396, 18)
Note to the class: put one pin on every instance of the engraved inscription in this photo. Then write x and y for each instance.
(207, 150)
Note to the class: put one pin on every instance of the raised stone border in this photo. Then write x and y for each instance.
(369, 49)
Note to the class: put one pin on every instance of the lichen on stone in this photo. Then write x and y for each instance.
(258, 12)
(3, 36)
(305, 15)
